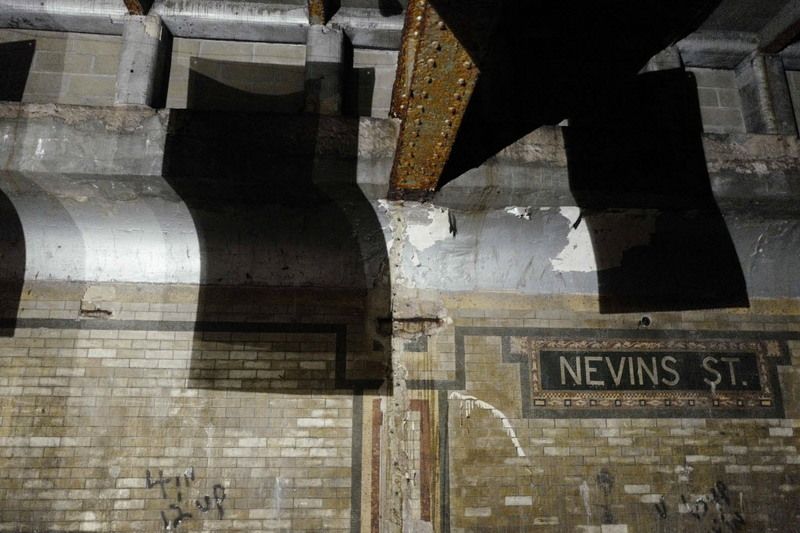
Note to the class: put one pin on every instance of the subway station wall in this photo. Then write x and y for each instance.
(208, 330)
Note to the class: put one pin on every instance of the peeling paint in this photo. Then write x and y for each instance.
(423, 236)
(152, 27)
(468, 403)
(578, 256)
(519, 212)
(613, 232)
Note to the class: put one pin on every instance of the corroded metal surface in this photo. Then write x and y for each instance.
(320, 11)
(435, 80)
(134, 7)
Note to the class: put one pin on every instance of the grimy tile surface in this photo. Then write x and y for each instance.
(203, 329)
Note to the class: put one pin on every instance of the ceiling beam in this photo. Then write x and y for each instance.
(782, 30)
(435, 80)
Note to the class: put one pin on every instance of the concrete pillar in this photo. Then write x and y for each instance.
(764, 92)
(324, 55)
(144, 62)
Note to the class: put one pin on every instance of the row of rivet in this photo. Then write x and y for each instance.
(441, 149)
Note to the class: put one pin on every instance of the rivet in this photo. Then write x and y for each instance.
(421, 108)
(440, 25)
(416, 33)
(445, 134)
(435, 45)
(452, 110)
(457, 96)
(402, 106)
(462, 81)
(431, 62)
(418, 122)
(419, 18)
(467, 64)
(424, 94)
(448, 122)
(429, 79)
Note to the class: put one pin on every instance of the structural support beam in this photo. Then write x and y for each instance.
(324, 53)
(435, 80)
(720, 50)
(144, 62)
(781, 30)
(83, 16)
(764, 92)
(238, 21)
(134, 7)
(321, 11)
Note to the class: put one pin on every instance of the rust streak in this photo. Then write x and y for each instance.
(316, 11)
(375, 469)
(435, 80)
(134, 7)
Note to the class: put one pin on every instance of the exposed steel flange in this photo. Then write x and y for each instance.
(319, 11)
(435, 80)
(134, 7)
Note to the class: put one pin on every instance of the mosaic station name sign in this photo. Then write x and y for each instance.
(649, 377)
(625, 371)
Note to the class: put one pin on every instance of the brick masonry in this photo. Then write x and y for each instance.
(720, 106)
(146, 421)
(238, 65)
(69, 68)
(106, 425)
(510, 469)
(276, 412)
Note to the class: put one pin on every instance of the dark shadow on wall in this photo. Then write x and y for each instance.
(388, 8)
(358, 91)
(239, 86)
(542, 62)
(15, 65)
(12, 265)
(638, 172)
(294, 267)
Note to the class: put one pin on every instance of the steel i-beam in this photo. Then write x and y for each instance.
(320, 11)
(134, 7)
(435, 80)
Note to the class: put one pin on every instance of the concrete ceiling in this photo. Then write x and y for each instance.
(743, 15)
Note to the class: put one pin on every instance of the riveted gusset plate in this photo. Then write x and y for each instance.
(435, 79)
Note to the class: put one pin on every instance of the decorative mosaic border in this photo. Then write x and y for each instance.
(752, 401)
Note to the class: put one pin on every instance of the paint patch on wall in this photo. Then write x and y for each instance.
(519, 212)
(612, 232)
(435, 228)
